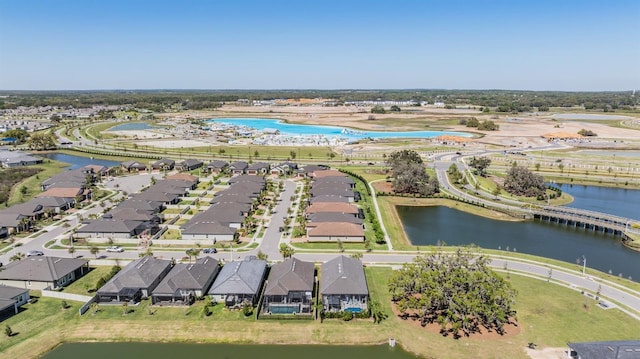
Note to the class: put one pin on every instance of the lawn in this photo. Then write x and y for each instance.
(89, 280)
(549, 315)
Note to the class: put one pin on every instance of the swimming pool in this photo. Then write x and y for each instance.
(328, 131)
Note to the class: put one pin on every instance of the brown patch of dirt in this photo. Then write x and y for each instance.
(511, 330)
(383, 186)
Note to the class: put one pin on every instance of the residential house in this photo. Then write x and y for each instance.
(290, 288)
(11, 299)
(185, 177)
(335, 231)
(239, 282)
(319, 193)
(68, 179)
(189, 164)
(339, 207)
(116, 228)
(17, 159)
(133, 166)
(135, 281)
(185, 282)
(72, 194)
(160, 196)
(331, 198)
(163, 164)
(623, 349)
(238, 167)
(258, 168)
(217, 167)
(343, 286)
(320, 217)
(20, 217)
(207, 230)
(37, 273)
(54, 204)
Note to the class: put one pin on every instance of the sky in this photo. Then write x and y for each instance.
(568, 45)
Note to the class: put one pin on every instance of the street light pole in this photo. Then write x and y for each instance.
(584, 264)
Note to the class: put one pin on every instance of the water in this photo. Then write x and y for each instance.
(616, 201)
(588, 116)
(427, 225)
(329, 131)
(78, 161)
(132, 126)
(244, 351)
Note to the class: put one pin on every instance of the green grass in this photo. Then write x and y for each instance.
(89, 280)
(33, 184)
(171, 234)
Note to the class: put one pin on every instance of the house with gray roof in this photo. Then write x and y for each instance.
(18, 158)
(329, 192)
(40, 272)
(239, 282)
(135, 281)
(258, 168)
(344, 286)
(116, 228)
(238, 167)
(185, 282)
(333, 217)
(289, 287)
(163, 164)
(158, 196)
(133, 166)
(189, 164)
(11, 299)
(624, 349)
(217, 166)
(207, 230)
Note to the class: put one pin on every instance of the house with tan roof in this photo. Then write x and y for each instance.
(335, 231)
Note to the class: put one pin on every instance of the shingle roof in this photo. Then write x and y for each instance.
(336, 229)
(41, 269)
(7, 292)
(188, 276)
(340, 207)
(320, 217)
(217, 164)
(290, 275)
(343, 275)
(140, 273)
(329, 198)
(241, 277)
(105, 225)
(627, 349)
(61, 192)
(206, 227)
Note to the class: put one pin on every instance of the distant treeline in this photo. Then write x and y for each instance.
(161, 100)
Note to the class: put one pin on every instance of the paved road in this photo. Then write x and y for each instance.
(270, 243)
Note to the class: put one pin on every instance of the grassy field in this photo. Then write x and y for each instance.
(33, 183)
(548, 315)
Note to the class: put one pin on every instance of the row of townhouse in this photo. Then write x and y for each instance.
(163, 164)
(140, 214)
(289, 286)
(227, 211)
(331, 213)
(214, 167)
(60, 193)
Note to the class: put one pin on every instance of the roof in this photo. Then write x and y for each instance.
(188, 276)
(30, 208)
(163, 162)
(239, 165)
(330, 198)
(7, 292)
(336, 229)
(190, 162)
(257, 166)
(343, 275)
(328, 173)
(217, 164)
(140, 273)
(183, 176)
(240, 277)
(49, 202)
(61, 192)
(132, 214)
(340, 207)
(207, 227)
(141, 204)
(331, 191)
(627, 349)
(292, 275)
(105, 225)
(320, 217)
(41, 268)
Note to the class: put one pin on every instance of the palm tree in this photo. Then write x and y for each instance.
(94, 250)
(286, 251)
(72, 250)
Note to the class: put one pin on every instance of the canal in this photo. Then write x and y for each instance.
(231, 351)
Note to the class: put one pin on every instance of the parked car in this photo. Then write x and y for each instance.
(117, 249)
(210, 250)
(34, 253)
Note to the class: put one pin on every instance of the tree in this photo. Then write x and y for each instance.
(286, 251)
(41, 141)
(94, 250)
(480, 164)
(292, 154)
(19, 134)
(378, 109)
(522, 182)
(472, 122)
(72, 250)
(409, 175)
(357, 255)
(454, 174)
(8, 331)
(262, 255)
(395, 108)
(587, 133)
(458, 291)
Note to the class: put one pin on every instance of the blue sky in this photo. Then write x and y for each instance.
(525, 45)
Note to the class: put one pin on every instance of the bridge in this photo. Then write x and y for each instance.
(585, 219)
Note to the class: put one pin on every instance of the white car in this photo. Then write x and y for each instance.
(117, 249)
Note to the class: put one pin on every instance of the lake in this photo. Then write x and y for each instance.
(328, 131)
(428, 225)
(132, 126)
(621, 202)
(78, 161)
(227, 351)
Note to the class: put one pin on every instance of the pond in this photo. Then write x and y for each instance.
(329, 131)
(78, 161)
(621, 202)
(428, 225)
(244, 351)
(132, 126)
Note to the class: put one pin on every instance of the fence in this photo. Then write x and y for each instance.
(70, 296)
